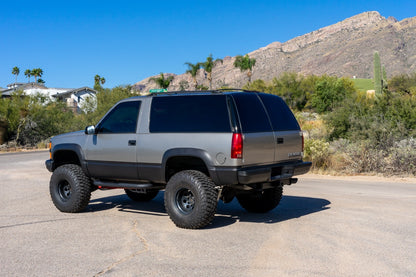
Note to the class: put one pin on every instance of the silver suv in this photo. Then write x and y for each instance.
(197, 146)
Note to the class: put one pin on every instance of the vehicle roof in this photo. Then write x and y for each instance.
(195, 92)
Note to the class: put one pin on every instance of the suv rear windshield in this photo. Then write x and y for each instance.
(189, 113)
(252, 115)
(281, 116)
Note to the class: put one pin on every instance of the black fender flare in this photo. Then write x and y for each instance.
(77, 149)
(190, 152)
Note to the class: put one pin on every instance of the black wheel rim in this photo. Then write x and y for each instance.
(64, 190)
(185, 201)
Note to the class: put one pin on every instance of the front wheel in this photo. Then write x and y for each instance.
(261, 201)
(70, 188)
(191, 199)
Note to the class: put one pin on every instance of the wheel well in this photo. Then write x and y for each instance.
(65, 157)
(176, 164)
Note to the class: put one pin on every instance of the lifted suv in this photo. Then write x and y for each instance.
(198, 146)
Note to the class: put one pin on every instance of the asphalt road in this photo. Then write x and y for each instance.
(323, 227)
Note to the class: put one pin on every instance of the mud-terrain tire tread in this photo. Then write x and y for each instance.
(261, 202)
(203, 189)
(80, 188)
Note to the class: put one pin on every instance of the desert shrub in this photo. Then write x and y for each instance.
(317, 152)
(312, 124)
(403, 83)
(363, 157)
(402, 158)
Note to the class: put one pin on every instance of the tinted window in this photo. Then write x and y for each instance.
(122, 119)
(281, 116)
(252, 115)
(190, 113)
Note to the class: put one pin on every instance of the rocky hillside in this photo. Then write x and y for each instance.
(343, 49)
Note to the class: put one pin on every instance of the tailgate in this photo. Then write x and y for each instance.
(288, 146)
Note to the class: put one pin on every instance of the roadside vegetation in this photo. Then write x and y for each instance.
(348, 131)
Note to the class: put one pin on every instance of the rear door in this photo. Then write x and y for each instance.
(288, 139)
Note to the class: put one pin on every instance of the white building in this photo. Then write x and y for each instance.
(74, 98)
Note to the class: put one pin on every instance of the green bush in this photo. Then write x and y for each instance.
(317, 152)
(330, 92)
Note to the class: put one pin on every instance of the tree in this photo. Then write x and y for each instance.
(245, 63)
(403, 83)
(37, 72)
(294, 88)
(330, 93)
(98, 81)
(193, 70)
(161, 81)
(28, 73)
(41, 81)
(15, 71)
(208, 65)
(378, 82)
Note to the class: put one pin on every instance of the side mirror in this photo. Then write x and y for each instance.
(90, 130)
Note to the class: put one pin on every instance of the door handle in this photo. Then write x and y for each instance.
(280, 140)
(132, 142)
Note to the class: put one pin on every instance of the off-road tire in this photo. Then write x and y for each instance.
(70, 188)
(142, 197)
(261, 201)
(191, 199)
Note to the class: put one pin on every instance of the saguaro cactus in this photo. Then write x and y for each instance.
(377, 74)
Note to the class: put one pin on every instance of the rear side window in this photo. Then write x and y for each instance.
(189, 113)
(281, 116)
(252, 115)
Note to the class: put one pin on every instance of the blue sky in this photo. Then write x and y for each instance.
(127, 41)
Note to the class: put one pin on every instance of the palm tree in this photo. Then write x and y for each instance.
(208, 65)
(98, 81)
(161, 81)
(193, 70)
(15, 71)
(41, 81)
(37, 72)
(28, 73)
(245, 63)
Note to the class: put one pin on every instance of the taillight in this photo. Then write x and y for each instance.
(303, 141)
(237, 146)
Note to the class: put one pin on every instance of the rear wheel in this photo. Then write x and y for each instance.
(191, 199)
(140, 195)
(70, 188)
(261, 201)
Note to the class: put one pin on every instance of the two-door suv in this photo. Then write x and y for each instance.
(198, 147)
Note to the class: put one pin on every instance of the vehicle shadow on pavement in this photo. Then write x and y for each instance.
(290, 207)
(124, 204)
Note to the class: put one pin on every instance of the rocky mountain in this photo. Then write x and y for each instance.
(342, 49)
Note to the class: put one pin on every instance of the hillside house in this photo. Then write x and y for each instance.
(73, 97)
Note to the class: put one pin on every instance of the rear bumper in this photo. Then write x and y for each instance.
(261, 174)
